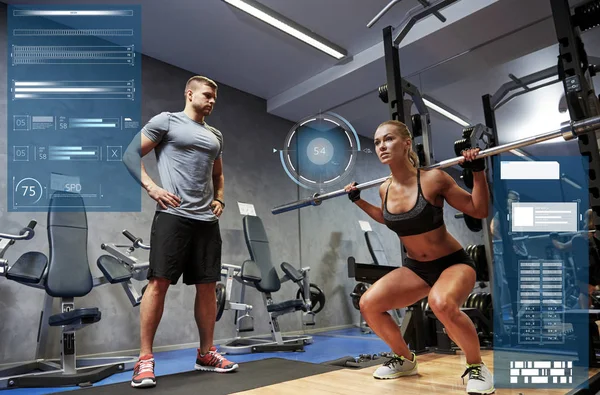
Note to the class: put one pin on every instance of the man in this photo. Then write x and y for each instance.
(185, 237)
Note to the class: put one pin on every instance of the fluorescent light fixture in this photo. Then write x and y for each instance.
(437, 108)
(269, 16)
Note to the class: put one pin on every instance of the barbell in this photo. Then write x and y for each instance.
(568, 132)
(547, 235)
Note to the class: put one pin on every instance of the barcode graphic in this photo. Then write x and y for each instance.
(541, 372)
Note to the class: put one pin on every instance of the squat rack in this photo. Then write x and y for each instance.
(573, 69)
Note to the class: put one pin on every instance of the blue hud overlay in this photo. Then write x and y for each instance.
(74, 105)
(541, 270)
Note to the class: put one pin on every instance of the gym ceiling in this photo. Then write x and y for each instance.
(454, 62)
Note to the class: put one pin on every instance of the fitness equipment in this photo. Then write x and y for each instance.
(362, 361)
(317, 298)
(357, 293)
(379, 258)
(474, 224)
(66, 275)
(549, 235)
(260, 273)
(122, 266)
(471, 137)
(30, 266)
(569, 131)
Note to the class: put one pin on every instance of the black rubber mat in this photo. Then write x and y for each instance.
(250, 375)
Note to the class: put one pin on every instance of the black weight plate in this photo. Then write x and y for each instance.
(220, 300)
(317, 298)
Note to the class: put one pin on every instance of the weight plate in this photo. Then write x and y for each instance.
(220, 300)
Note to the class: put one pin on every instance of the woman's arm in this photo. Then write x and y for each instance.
(475, 204)
(373, 211)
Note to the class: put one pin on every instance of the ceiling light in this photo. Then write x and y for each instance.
(274, 19)
(446, 113)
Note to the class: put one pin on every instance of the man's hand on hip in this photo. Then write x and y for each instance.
(217, 207)
(163, 197)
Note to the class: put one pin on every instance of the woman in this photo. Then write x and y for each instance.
(436, 266)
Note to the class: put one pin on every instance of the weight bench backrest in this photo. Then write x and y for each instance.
(260, 253)
(69, 274)
(376, 248)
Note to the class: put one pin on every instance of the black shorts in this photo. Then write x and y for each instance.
(185, 246)
(432, 270)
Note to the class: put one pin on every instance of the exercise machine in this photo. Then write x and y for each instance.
(259, 273)
(121, 267)
(65, 275)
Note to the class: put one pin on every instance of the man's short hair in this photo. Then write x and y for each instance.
(202, 80)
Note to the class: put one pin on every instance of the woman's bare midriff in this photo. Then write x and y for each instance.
(432, 245)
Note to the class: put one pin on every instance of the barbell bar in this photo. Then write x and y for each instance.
(568, 132)
(545, 236)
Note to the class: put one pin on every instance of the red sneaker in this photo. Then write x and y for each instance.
(212, 361)
(143, 372)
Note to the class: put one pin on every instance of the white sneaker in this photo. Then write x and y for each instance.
(397, 367)
(480, 381)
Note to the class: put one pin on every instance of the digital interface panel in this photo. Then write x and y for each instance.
(541, 268)
(74, 105)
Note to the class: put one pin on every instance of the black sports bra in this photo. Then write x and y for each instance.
(422, 218)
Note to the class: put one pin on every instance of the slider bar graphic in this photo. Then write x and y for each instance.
(64, 54)
(73, 90)
(94, 123)
(73, 32)
(73, 13)
(73, 153)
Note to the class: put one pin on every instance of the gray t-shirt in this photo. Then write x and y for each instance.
(185, 154)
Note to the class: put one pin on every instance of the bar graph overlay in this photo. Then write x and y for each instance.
(74, 153)
(74, 105)
(541, 300)
(65, 54)
(80, 90)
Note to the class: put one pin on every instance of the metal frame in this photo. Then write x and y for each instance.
(415, 15)
(581, 98)
(277, 342)
(582, 102)
(392, 3)
(522, 83)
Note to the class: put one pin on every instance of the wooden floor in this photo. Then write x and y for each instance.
(438, 374)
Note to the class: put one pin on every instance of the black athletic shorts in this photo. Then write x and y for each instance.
(432, 270)
(185, 246)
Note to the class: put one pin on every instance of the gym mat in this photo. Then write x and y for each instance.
(250, 375)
